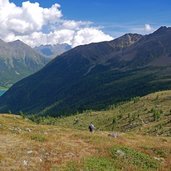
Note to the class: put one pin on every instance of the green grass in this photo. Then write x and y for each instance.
(159, 152)
(99, 164)
(38, 137)
(136, 158)
(117, 158)
(92, 164)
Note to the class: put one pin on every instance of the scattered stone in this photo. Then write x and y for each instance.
(158, 158)
(16, 129)
(29, 152)
(17, 116)
(28, 129)
(120, 153)
(165, 140)
(47, 154)
(114, 135)
(25, 162)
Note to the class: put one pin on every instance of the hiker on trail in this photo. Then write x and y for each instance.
(91, 128)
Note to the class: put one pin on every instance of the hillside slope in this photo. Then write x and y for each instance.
(149, 115)
(72, 67)
(18, 60)
(27, 146)
(95, 76)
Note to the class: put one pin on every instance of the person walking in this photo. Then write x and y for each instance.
(91, 127)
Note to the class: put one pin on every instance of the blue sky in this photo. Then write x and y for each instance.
(114, 16)
(78, 22)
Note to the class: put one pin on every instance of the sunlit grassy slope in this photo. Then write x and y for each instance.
(27, 146)
(150, 115)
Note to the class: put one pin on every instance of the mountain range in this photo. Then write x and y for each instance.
(94, 76)
(52, 51)
(18, 60)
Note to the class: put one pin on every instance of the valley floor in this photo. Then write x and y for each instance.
(25, 145)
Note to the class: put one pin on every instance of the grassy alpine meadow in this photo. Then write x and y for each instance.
(29, 146)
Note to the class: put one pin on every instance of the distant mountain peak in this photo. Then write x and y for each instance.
(127, 40)
(18, 60)
(162, 29)
(18, 42)
(52, 51)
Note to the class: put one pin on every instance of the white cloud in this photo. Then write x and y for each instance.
(27, 18)
(36, 25)
(87, 35)
(148, 28)
(56, 37)
(141, 29)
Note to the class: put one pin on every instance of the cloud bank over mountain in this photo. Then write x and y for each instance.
(36, 25)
